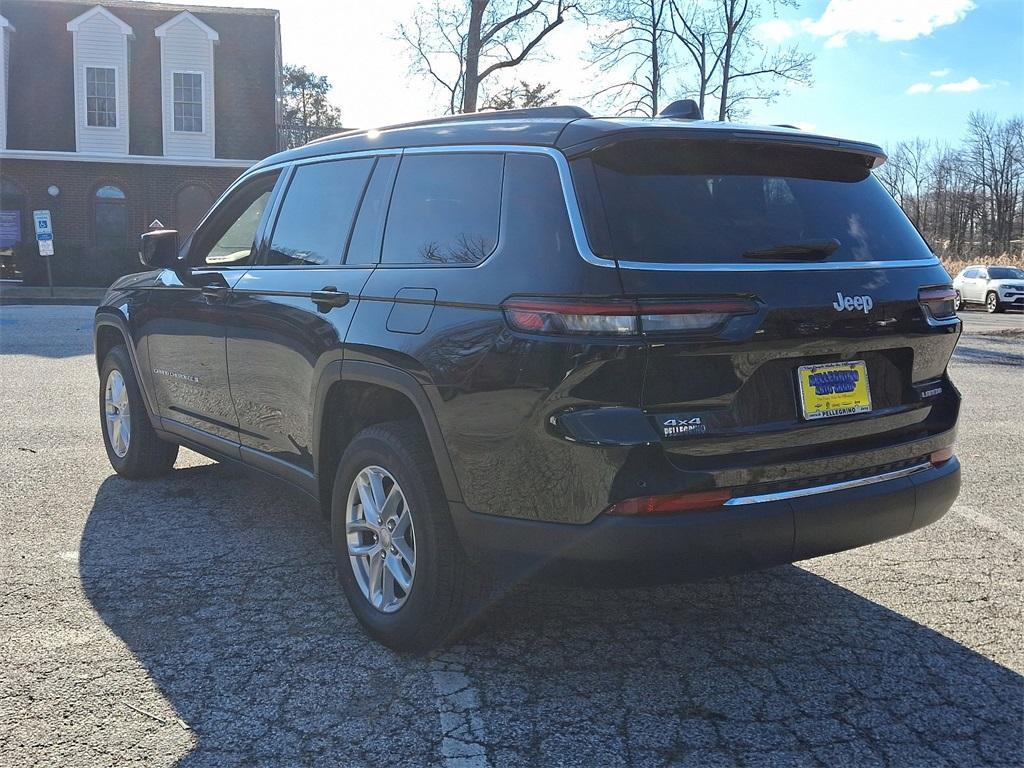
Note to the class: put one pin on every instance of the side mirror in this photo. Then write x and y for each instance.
(159, 249)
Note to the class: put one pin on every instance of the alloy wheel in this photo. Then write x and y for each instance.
(992, 302)
(118, 413)
(381, 539)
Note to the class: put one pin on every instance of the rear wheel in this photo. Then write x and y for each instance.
(133, 448)
(992, 304)
(396, 552)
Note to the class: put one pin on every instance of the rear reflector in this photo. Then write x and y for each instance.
(939, 301)
(622, 317)
(666, 505)
(938, 458)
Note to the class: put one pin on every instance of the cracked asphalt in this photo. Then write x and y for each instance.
(195, 620)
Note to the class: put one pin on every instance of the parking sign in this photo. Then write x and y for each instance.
(44, 232)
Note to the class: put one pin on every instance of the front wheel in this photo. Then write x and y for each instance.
(396, 551)
(133, 448)
(992, 304)
(958, 302)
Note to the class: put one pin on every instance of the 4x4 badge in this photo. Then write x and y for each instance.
(670, 427)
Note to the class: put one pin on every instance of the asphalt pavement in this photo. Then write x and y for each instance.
(195, 620)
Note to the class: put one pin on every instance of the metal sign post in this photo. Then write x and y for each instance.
(44, 239)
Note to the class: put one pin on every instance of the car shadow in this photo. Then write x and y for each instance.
(221, 586)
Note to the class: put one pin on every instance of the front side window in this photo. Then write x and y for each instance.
(317, 212)
(444, 209)
(228, 237)
(101, 97)
(188, 102)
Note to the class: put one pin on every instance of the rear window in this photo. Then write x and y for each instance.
(687, 202)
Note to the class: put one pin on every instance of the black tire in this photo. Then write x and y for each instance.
(448, 590)
(958, 302)
(147, 455)
(992, 304)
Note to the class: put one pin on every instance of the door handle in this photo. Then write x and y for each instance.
(329, 297)
(213, 293)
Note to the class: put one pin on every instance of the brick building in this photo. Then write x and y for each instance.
(116, 113)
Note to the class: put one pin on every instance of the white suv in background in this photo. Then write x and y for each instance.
(998, 288)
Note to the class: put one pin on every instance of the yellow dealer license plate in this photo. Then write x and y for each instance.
(834, 389)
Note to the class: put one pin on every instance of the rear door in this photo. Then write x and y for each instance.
(799, 279)
(291, 311)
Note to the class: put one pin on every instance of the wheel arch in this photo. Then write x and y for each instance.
(110, 329)
(377, 393)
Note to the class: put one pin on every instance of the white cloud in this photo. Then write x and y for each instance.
(774, 31)
(887, 20)
(940, 72)
(920, 88)
(965, 86)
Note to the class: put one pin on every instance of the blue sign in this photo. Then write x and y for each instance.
(44, 236)
(10, 228)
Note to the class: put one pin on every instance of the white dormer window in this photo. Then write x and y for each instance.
(188, 101)
(101, 81)
(101, 97)
(186, 78)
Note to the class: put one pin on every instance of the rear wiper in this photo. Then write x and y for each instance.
(807, 250)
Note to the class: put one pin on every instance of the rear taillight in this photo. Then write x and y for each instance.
(623, 317)
(940, 457)
(673, 503)
(940, 301)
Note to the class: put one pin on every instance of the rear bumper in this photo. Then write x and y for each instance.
(726, 540)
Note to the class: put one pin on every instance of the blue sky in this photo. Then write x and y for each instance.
(869, 53)
(861, 88)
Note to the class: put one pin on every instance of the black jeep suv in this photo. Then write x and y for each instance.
(673, 346)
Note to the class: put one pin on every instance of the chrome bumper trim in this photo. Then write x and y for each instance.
(814, 490)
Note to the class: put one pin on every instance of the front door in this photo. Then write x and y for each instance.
(186, 314)
(290, 312)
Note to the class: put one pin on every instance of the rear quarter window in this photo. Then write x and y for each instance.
(444, 209)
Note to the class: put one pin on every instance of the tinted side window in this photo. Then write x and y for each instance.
(228, 237)
(444, 209)
(317, 213)
(973, 272)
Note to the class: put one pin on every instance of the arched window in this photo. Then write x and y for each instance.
(190, 205)
(110, 218)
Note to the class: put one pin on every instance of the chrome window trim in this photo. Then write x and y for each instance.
(576, 217)
(814, 490)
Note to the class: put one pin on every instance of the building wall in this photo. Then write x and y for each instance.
(150, 192)
(41, 103)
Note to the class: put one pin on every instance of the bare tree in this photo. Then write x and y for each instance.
(633, 51)
(967, 201)
(749, 70)
(695, 28)
(458, 44)
(522, 95)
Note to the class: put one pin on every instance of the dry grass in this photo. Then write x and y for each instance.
(954, 265)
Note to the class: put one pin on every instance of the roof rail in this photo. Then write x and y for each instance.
(566, 112)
